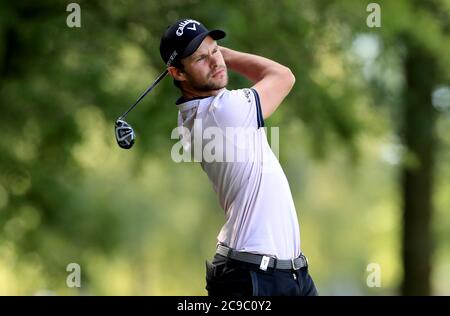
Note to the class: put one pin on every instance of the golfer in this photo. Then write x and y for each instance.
(258, 249)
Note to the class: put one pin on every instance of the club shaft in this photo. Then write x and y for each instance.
(160, 77)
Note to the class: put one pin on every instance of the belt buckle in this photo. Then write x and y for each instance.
(264, 263)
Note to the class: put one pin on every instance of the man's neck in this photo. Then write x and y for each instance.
(187, 94)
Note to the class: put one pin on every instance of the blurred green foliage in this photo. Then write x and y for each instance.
(140, 224)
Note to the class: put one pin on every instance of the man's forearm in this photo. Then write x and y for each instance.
(253, 67)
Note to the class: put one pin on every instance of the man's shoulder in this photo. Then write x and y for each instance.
(236, 95)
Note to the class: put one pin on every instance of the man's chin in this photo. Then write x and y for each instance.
(214, 86)
(221, 85)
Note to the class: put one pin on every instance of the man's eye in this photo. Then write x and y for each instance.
(200, 58)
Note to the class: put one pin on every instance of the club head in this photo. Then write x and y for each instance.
(124, 134)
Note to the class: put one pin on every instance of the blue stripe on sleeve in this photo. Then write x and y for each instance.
(259, 115)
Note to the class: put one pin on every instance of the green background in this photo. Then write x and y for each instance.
(369, 106)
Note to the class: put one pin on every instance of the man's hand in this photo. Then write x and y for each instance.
(272, 80)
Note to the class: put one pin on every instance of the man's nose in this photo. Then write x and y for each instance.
(213, 61)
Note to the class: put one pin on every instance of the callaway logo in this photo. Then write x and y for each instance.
(183, 24)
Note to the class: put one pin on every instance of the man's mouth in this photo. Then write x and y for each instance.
(220, 71)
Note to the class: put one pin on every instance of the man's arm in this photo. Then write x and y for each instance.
(271, 80)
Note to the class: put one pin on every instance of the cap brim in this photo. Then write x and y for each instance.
(195, 43)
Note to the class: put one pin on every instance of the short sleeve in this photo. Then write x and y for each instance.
(238, 108)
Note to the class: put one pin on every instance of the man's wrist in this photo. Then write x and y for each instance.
(225, 54)
(232, 58)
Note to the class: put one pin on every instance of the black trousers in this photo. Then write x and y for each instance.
(228, 277)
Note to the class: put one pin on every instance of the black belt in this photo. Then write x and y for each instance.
(264, 262)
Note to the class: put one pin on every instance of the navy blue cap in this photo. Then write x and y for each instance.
(182, 39)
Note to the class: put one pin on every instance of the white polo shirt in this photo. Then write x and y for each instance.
(250, 184)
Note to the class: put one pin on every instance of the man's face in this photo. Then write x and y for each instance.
(205, 69)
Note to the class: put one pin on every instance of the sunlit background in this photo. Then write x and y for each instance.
(366, 102)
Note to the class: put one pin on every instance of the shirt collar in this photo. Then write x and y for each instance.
(182, 99)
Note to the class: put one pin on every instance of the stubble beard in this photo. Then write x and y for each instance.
(209, 85)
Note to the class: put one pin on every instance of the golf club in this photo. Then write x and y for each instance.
(125, 135)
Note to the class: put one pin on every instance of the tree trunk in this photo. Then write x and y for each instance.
(417, 171)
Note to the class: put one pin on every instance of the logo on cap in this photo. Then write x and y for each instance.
(183, 24)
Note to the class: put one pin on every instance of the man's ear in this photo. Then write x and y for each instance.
(177, 73)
